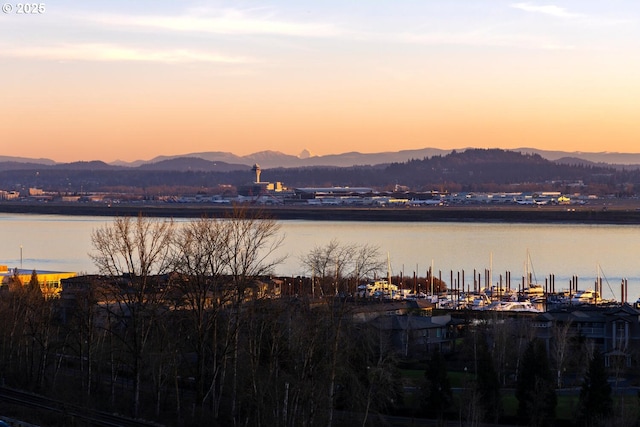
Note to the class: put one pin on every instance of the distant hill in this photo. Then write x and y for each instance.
(212, 156)
(12, 165)
(604, 157)
(274, 159)
(489, 167)
(192, 164)
(470, 170)
(362, 159)
(578, 161)
(95, 165)
(10, 159)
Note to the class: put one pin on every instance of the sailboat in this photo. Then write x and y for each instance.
(531, 291)
(593, 296)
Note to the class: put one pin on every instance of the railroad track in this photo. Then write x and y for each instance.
(91, 417)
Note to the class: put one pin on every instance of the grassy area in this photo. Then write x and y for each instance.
(414, 377)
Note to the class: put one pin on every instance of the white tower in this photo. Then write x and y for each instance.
(256, 169)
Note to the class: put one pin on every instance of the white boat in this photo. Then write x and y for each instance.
(381, 288)
(445, 302)
(588, 296)
(512, 306)
(473, 300)
(560, 298)
(477, 301)
(533, 291)
(413, 295)
(377, 288)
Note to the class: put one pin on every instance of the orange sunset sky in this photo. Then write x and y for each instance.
(109, 80)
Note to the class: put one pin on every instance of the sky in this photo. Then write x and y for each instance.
(122, 80)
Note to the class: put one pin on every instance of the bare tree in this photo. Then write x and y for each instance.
(336, 262)
(83, 332)
(13, 309)
(320, 261)
(136, 247)
(252, 244)
(28, 338)
(40, 333)
(135, 253)
(561, 344)
(201, 259)
(332, 263)
(367, 262)
(378, 363)
(219, 264)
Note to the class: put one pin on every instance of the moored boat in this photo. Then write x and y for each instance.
(588, 296)
(531, 290)
(512, 306)
(376, 288)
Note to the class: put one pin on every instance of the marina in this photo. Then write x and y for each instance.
(492, 298)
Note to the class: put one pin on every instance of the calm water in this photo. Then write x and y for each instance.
(62, 243)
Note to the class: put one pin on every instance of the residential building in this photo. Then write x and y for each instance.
(614, 331)
(416, 336)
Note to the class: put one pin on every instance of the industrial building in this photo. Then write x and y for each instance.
(49, 281)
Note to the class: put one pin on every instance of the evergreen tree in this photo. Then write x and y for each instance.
(596, 402)
(437, 397)
(488, 386)
(34, 284)
(535, 390)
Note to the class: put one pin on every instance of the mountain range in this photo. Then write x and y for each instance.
(465, 170)
(225, 161)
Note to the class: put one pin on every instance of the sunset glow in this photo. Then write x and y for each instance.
(108, 80)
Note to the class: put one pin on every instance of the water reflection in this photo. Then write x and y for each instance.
(63, 243)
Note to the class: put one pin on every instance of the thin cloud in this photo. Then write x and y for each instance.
(114, 53)
(228, 21)
(552, 10)
(480, 39)
(563, 13)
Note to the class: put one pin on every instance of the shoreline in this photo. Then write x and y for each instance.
(613, 213)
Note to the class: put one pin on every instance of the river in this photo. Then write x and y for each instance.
(63, 243)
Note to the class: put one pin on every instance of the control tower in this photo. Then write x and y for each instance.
(257, 187)
(256, 170)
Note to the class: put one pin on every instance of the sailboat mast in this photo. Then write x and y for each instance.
(431, 278)
(490, 270)
(598, 282)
